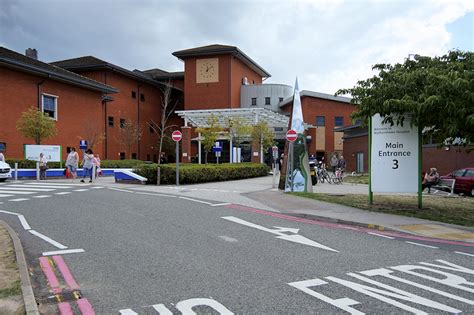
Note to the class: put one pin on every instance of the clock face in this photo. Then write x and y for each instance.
(207, 70)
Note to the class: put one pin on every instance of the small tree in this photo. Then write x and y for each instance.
(210, 134)
(262, 136)
(129, 134)
(92, 134)
(36, 125)
(238, 130)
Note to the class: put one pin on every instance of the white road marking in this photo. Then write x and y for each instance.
(200, 201)
(128, 312)
(22, 219)
(221, 204)
(42, 196)
(57, 184)
(1, 195)
(423, 245)
(349, 228)
(389, 237)
(281, 234)
(154, 194)
(162, 309)
(19, 199)
(64, 252)
(40, 186)
(47, 239)
(228, 239)
(25, 189)
(15, 192)
(461, 253)
(63, 193)
(97, 187)
(81, 189)
(122, 190)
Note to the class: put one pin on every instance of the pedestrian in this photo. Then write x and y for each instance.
(43, 166)
(334, 163)
(87, 165)
(280, 160)
(96, 163)
(431, 179)
(342, 165)
(2, 157)
(72, 162)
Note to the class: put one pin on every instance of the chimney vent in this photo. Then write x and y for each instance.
(31, 53)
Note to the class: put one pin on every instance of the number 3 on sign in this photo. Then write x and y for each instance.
(395, 164)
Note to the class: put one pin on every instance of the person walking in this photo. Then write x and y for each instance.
(334, 163)
(96, 163)
(87, 165)
(72, 162)
(42, 166)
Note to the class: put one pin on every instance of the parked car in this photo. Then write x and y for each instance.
(5, 171)
(464, 180)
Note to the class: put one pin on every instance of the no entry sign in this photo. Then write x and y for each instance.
(176, 135)
(291, 135)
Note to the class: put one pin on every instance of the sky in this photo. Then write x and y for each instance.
(327, 44)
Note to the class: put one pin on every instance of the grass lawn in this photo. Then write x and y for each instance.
(358, 179)
(443, 209)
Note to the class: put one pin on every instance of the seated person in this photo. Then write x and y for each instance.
(431, 178)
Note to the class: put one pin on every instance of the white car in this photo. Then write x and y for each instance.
(5, 171)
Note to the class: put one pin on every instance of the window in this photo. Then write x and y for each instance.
(142, 97)
(254, 101)
(339, 121)
(110, 121)
(320, 121)
(267, 101)
(122, 155)
(134, 156)
(148, 157)
(134, 94)
(280, 99)
(3, 146)
(459, 172)
(469, 173)
(278, 128)
(122, 123)
(50, 106)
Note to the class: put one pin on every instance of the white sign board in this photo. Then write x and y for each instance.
(394, 157)
(52, 153)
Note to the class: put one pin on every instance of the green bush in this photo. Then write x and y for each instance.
(201, 173)
(103, 163)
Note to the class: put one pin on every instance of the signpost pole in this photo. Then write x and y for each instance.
(420, 192)
(291, 165)
(177, 163)
(371, 195)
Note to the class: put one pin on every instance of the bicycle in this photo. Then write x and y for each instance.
(323, 175)
(338, 176)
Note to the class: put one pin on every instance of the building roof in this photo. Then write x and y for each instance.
(93, 63)
(222, 49)
(325, 96)
(162, 75)
(12, 59)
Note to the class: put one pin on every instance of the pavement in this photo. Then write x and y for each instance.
(259, 193)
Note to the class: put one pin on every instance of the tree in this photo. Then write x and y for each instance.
(238, 130)
(210, 134)
(262, 136)
(92, 134)
(438, 93)
(129, 134)
(36, 125)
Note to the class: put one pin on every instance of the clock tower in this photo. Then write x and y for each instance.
(214, 74)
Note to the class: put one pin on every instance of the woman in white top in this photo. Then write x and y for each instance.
(42, 165)
(72, 162)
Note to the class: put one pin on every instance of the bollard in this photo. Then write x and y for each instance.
(16, 170)
(37, 171)
(94, 168)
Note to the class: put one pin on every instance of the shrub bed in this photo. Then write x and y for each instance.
(201, 173)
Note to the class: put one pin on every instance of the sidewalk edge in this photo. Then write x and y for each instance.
(27, 291)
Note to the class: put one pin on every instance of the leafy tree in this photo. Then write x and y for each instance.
(438, 93)
(210, 133)
(36, 125)
(129, 134)
(238, 130)
(262, 136)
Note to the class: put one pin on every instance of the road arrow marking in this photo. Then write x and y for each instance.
(280, 231)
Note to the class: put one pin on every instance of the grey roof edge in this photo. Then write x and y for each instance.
(72, 78)
(350, 127)
(106, 65)
(232, 50)
(325, 96)
(141, 73)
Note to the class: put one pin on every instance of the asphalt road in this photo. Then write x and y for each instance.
(147, 253)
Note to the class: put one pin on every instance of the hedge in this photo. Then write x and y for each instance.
(103, 163)
(201, 173)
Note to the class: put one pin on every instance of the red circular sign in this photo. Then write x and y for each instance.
(291, 135)
(176, 135)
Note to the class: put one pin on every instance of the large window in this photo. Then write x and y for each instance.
(50, 106)
(339, 121)
(110, 121)
(320, 121)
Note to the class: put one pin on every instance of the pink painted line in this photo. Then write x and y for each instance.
(338, 225)
(63, 268)
(50, 276)
(85, 307)
(65, 308)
